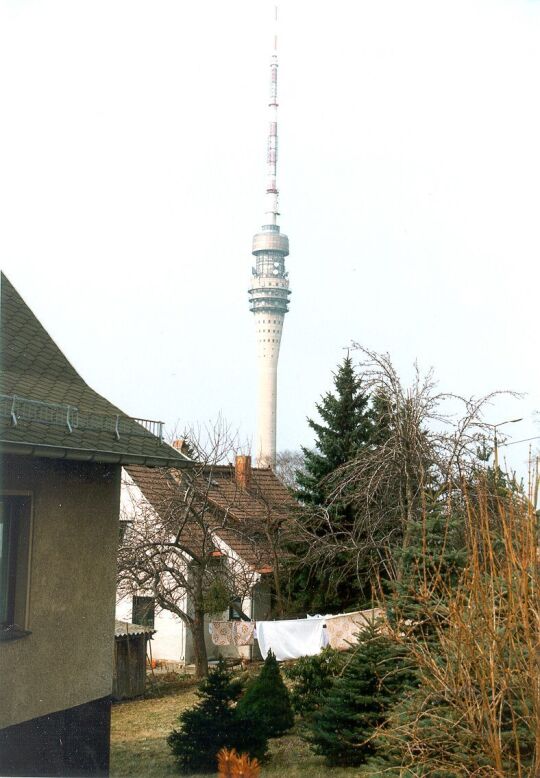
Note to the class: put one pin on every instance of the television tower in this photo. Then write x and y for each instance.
(269, 292)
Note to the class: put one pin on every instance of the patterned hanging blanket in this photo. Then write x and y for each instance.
(243, 633)
(343, 630)
(232, 633)
(222, 633)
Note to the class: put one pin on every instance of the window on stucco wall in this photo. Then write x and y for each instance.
(15, 516)
(142, 612)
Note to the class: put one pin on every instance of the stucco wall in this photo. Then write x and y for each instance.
(68, 658)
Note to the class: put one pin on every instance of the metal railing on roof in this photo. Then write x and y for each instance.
(71, 418)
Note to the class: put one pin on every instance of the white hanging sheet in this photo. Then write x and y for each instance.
(291, 638)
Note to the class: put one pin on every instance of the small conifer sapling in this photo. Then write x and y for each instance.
(267, 701)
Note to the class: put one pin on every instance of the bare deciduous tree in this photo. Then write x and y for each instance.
(288, 462)
(426, 442)
(177, 546)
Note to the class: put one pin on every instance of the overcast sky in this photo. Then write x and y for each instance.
(132, 169)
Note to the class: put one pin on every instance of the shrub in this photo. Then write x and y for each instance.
(267, 700)
(213, 724)
(313, 677)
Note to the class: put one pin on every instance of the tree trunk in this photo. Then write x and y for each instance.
(277, 584)
(199, 644)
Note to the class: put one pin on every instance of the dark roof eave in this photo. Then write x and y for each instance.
(90, 455)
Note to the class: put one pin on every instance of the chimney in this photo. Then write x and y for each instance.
(179, 444)
(242, 471)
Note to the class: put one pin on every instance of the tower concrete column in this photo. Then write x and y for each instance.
(269, 297)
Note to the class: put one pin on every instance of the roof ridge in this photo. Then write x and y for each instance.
(34, 369)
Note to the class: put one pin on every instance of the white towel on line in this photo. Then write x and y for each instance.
(291, 638)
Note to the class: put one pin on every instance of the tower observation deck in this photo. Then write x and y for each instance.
(269, 290)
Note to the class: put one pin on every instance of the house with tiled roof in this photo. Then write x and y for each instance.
(62, 448)
(239, 512)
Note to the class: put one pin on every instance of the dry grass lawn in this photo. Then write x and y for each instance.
(139, 748)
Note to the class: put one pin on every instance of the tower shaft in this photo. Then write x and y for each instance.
(269, 292)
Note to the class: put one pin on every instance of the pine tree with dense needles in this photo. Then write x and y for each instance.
(267, 700)
(215, 723)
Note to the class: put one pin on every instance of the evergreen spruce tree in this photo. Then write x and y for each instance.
(213, 724)
(360, 700)
(429, 565)
(267, 700)
(346, 426)
(312, 678)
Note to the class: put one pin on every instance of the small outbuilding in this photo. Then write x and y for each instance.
(130, 657)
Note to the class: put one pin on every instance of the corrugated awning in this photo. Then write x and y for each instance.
(124, 629)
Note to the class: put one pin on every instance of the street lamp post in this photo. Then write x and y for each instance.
(495, 441)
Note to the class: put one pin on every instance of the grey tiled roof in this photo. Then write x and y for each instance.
(35, 372)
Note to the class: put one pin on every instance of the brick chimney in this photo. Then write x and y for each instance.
(179, 444)
(242, 471)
